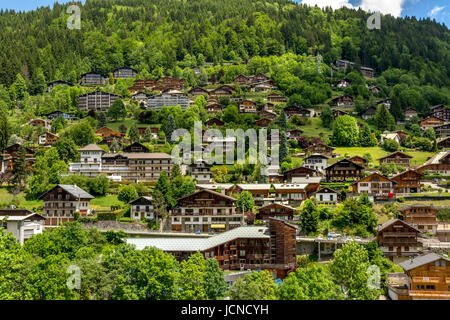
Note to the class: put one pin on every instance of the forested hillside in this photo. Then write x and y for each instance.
(154, 36)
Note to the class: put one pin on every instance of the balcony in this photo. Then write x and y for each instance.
(399, 234)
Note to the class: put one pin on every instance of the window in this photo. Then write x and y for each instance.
(242, 253)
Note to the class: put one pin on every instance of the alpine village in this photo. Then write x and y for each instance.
(87, 167)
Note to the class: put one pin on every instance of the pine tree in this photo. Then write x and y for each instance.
(147, 135)
(282, 121)
(5, 129)
(19, 172)
(114, 145)
(133, 134)
(170, 127)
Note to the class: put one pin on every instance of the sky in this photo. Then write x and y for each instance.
(437, 9)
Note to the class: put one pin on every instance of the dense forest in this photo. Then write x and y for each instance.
(155, 36)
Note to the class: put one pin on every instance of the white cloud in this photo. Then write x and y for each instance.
(393, 7)
(435, 11)
(334, 4)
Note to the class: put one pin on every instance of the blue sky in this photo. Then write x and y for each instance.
(438, 9)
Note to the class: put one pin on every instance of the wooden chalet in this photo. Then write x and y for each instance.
(53, 84)
(439, 163)
(136, 147)
(294, 134)
(275, 97)
(440, 111)
(275, 210)
(421, 216)
(344, 170)
(263, 122)
(260, 191)
(206, 211)
(442, 131)
(268, 114)
(321, 148)
(397, 157)
(247, 106)
(430, 122)
(291, 176)
(367, 72)
(197, 91)
(214, 107)
(292, 110)
(407, 182)
(214, 121)
(397, 239)
(344, 100)
(359, 160)
(443, 143)
(338, 113)
(222, 91)
(410, 113)
(125, 73)
(369, 113)
(48, 138)
(375, 185)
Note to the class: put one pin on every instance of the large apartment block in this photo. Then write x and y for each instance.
(96, 101)
(169, 100)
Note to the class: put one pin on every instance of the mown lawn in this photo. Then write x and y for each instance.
(419, 157)
(127, 123)
(7, 198)
(105, 203)
(313, 129)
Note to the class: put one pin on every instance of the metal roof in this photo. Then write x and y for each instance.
(193, 244)
(74, 190)
(420, 261)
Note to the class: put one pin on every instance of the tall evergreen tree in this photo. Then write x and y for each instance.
(133, 134)
(19, 172)
(5, 129)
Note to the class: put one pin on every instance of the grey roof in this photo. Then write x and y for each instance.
(388, 223)
(193, 244)
(74, 190)
(420, 261)
(215, 186)
(21, 218)
(415, 205)
(142, 197)
(91, 147)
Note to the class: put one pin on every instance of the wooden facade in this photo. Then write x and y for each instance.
(275, 210)
(398, 157)
(263, 122)
(407, 182)
(421, 216)
(292, 175)
(430, 122)
(397, 238)
(344, 170)
(321, 148)
(375, 185)
(214, 121)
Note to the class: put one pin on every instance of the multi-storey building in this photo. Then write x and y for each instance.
(48, 138)
(441, 112)
(397, 239)
(439, 163)
(293, 175)
(410, 113)
(200, 170)
(270, 247)
(407, 182)
(275, 97)
(421, 216)
(275, 210)
(343, 101)
(90, 164)
(247, 106)
(430, 122)
(96, 101)
(316, 161)
(205, 211)
(326, 196)
(397, 157)
(142, 208)
(62, 201)
(168, 99)
(367, 72)
(442, 131)
(359, 160)
(93, 78)
(124, 73)
(22, 223)
(375, 185)
(344, 170)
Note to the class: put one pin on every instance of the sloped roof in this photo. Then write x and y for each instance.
(91, 147)
(416, 205)
(211, 192)
(142, 197)
(421, 260)
(74, 190)
(404, 155)
(390, 222)
(326, 190)
(193, 244)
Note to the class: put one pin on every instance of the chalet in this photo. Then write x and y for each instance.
(262, 86)
(275, 210)
(260, 77)
(268, 114)
(135, 89)
(200, 170)
(338, 113)
(292, 110)
(295, 193)
(268, 106)
(93, 79)
(397, 157)
(22, 223)
(214, 121)
(316, 161)
(439, 163)
(443, 143)
(38, 122)
(48, 138)
(407, 182)
(62, 201)
(263, 122)
(426, 279)
(442, 131)
(441, 112)
(273, 173)
(142, 208)
(359, 160)
(222, 91)
(53, 84)
(375, 185)
(344, 170)
(410, 113)
(343, 64)
(96, 101)
(56, 114)
(430, 122)
(168, 99)
(9, 157)
(274, 97)
(320, 148)
(294, 133)
(367, 72)
(214, 107)
(344, 100)
(344, 83)
(136, 147)
(125, 73)
(298, 174)
(421, 216)
(205, 211)
(402, 134)
(271, 248)
(397, 240)
(169, 83)
(242, 80)
(374, 89)
(369, 113)
(197, 91)
(390, 136)
(140, 97)
(247, 106)
(443, 232)
(326, 196)
(105, 131)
